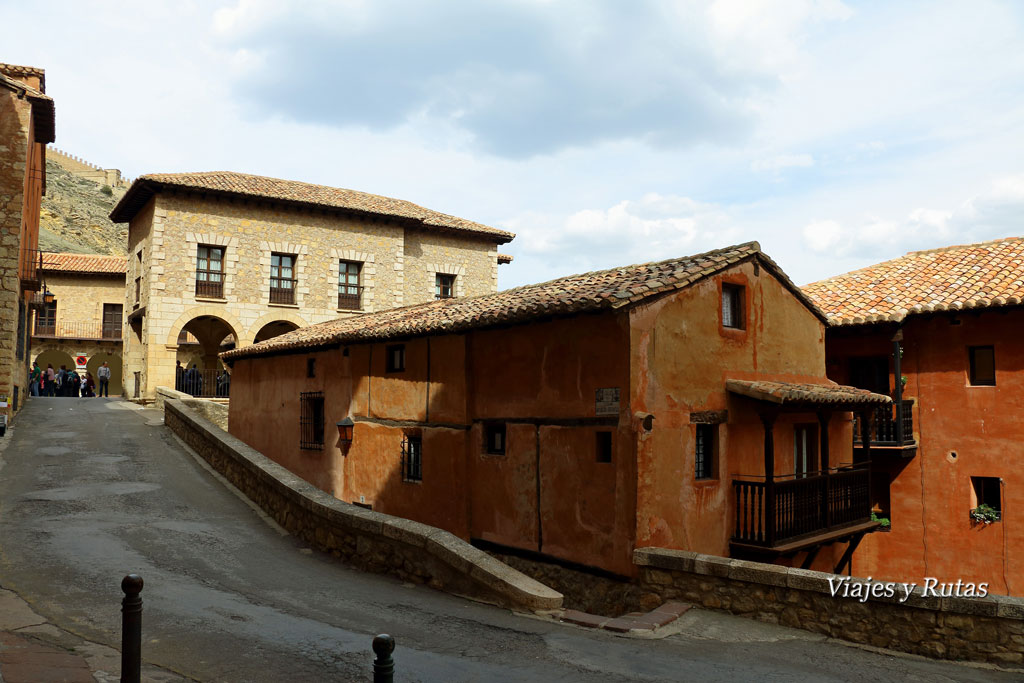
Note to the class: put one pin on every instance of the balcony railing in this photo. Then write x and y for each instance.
(886, 429)
(204, 383)
(282, 290)
(210, 290)
(351, 299)
(770, 515)
(76, 330)
(30, 267)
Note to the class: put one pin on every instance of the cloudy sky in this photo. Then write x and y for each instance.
(602, 133)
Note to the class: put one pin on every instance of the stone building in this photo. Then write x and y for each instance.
(942, 332)
(680, 404)
(233, 259)
(26, 126)
(79, 321)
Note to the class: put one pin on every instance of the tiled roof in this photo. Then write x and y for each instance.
(952, 278)
(788, 393)
(83, 263)
(504, 258)
(597, 291)
(43, 116)
(291, 191)
(16, 70)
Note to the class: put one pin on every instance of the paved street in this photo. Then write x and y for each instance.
(91, 489)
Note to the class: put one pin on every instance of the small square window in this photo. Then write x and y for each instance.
(987, 492)
(604, 447)
(494, 435)
(395, 357)
(412, 458)
(311, 367)
(704, 451)
(983, 365)
(444, 286)
(732, 306)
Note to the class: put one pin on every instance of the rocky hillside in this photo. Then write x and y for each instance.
(74, 215)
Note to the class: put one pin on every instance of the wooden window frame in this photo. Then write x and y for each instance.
(311, 420)
(350, 294)
(284, 290)
(110, 329)
(412, 458)
(209, 281)
(733, 306)
(444, 286)
(972, 371)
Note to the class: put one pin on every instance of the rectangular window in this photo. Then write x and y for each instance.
(444, 286)
(311, 367)
(210, 271)
(732, 307)
(983, 365)
(111, 321)
(282, 278)
(604, 447)
(138, 290)
(412, 458)
(46, 320)
(805, 449)
(987, 492)
(311, 420)
(350, 292)
(395, 358)
(705, 448)
(494, 435)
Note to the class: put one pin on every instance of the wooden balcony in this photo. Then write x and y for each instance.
(787, 515)
(890, 431)
(76, 330)
(30, 270)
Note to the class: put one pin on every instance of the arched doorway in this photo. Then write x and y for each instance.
(55, 358)
(273, 329)
(198, 369)
(115, 364)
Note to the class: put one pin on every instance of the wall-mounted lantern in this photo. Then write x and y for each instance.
(48, 296)
(345, 429)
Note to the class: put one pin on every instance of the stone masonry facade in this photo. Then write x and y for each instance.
(398, 266)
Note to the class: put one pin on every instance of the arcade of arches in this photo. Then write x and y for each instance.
(58, 354)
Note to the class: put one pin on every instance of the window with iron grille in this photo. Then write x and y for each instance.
(311, 420)
(444, 286)
(282, 278)
(210, 271)
(732, 307)
(704, 452)
(983, 365)
(349, 289)
(412, 458)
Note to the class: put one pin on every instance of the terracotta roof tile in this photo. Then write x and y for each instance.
(16, 70)
(600, 290)
(83, 263)
(292, 191)
(43, 116)
(789, 393)
(980, 275)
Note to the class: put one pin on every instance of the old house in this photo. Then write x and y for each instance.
(680, 404)
(26, 126)
(232, 259)
(78, 323)
(942, 332)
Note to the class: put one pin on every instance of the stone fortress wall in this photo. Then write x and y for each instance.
(85, 169)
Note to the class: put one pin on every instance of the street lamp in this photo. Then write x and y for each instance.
(345, 429)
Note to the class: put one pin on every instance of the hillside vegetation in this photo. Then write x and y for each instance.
(74, 215)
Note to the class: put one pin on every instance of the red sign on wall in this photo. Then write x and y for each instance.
(81, 360)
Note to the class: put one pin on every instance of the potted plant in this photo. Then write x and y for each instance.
(884, 524)
(985, 514)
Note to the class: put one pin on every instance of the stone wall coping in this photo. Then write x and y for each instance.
(445, 547)
(818, 582)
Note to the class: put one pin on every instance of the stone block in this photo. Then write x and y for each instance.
(406, 531)
(976, 606)
(758, 572)
(1009, 607)
(664, 558)
(712, 565)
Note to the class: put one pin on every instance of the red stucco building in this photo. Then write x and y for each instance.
(681, 404)
(950, 324)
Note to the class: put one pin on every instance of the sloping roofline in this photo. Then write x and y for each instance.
(43, 115)
(229, 184)
(607, 290)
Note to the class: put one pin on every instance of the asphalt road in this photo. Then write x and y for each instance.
(92, 489)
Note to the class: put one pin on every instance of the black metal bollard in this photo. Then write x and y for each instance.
(383, 665)
(131, 629)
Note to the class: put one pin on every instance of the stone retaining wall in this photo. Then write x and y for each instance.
(369, 540)
(987, 629)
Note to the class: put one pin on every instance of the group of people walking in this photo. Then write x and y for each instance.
(68, 383)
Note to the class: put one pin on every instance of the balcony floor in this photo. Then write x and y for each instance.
(789, 546)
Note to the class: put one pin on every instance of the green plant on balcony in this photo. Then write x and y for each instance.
(985, 514)
(883, 521)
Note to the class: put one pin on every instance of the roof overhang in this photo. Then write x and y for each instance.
(800, 396)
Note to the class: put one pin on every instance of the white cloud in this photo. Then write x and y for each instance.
(776, 164)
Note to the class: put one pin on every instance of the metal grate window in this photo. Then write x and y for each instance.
(704, 457)
(412, 458)
(311, 420)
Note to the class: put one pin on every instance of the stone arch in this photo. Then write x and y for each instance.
(286, 317)
(199, 312)
(56, 356)
(114, 362)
